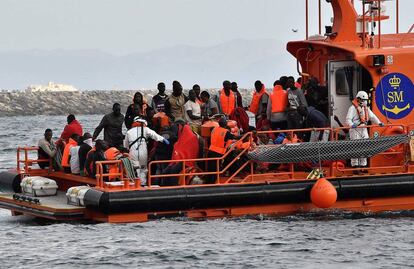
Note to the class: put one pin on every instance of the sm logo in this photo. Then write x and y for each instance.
(394, 96)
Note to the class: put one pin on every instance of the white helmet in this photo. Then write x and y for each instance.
(141, 120)
(362, 95)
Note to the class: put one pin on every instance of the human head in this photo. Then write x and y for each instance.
(192, 95)
(100, 145)
(234, 86)
(75, 137)
(283, 81)
(197, 89)
(277, 82)
(138, 98)
(116, 108)
(291, 83)
(226, 85)
(177, 88)
(302, 110)
(362, 98)
(86, 136)
(258, 85)
(161, 88)
(222, 122)
(70, 118)
(205, 96)
(264, 138)
(48, 134)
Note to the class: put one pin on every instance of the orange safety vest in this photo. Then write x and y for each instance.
(227, 103)
(66, 152)
(362, 111)
(112, 154)
(218, 144)
(279, 99)
(257, 96)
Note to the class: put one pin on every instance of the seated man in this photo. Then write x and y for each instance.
(47, 148)
(85, 147)
(73, 142)
(96, 154)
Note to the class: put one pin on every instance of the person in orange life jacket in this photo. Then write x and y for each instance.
(159, 99)
(174, 105)
(73, 142)
(146, 111)
(84, 148)
(219, 137)
(296, 98)
(197, 91)
(47, 148)
(112, 125)
(96, 154)
(209, 106)
(358, 116)
(276, 107)
(226, 99)
(259, 100)
(235, 90)
(73, 127)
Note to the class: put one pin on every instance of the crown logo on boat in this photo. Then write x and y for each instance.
(395, 82)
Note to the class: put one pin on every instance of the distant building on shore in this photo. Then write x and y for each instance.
(51, 87)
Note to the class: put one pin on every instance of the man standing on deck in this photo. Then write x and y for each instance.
(296, 98)
(358, 116)
(239, 99)
(226, 99)
(159, 99)
(112, 125)
(174, 105)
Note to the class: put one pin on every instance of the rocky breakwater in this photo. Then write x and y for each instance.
(26, 103)
(22, 103)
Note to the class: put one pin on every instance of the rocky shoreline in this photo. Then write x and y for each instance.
(25, 103)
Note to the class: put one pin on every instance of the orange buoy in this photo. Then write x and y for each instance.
(323, 194)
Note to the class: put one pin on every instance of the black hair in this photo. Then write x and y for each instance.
(205, 94)
(48, 130)
(277, 82)
(71, 118)
(116, 104)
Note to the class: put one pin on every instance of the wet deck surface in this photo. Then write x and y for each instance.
(56, 202)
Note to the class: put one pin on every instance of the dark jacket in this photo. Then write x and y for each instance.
(112, 126)
(83, 151)
(129, 116)
(316, 119)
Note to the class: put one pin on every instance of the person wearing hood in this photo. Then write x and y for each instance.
(146, 111)
(174, 106)
(357, 117)
(84, 147)
(112, 125)
(136, 141)
(259, 100)
(73, 127)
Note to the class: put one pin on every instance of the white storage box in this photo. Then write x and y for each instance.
(39, 186)
(75, 195)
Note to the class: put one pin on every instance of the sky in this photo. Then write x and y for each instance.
(122, 27)
(126, 26)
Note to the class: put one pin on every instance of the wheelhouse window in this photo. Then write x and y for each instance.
(342, 87)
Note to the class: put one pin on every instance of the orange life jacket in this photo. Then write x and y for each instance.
(161, 120)
(218, 144)
(66, 152)
(227, 103)
(362, 112)
(279, 99)
(257, 96)
(112, 154)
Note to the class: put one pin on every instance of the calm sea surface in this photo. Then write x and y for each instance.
(332, 240)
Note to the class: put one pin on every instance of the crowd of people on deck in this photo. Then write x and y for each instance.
(169, 127)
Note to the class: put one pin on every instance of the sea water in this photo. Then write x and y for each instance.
(330, 240)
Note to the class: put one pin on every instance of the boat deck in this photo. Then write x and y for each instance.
(51, 207)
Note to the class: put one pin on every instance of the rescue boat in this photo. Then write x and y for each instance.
(352, 55)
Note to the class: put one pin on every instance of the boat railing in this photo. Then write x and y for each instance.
(290, 172)
(25, 162)
(113, 179)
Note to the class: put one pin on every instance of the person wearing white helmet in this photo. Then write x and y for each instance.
(358, 116)
(136, 141)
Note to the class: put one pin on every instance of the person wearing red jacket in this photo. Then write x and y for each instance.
(73, 127)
